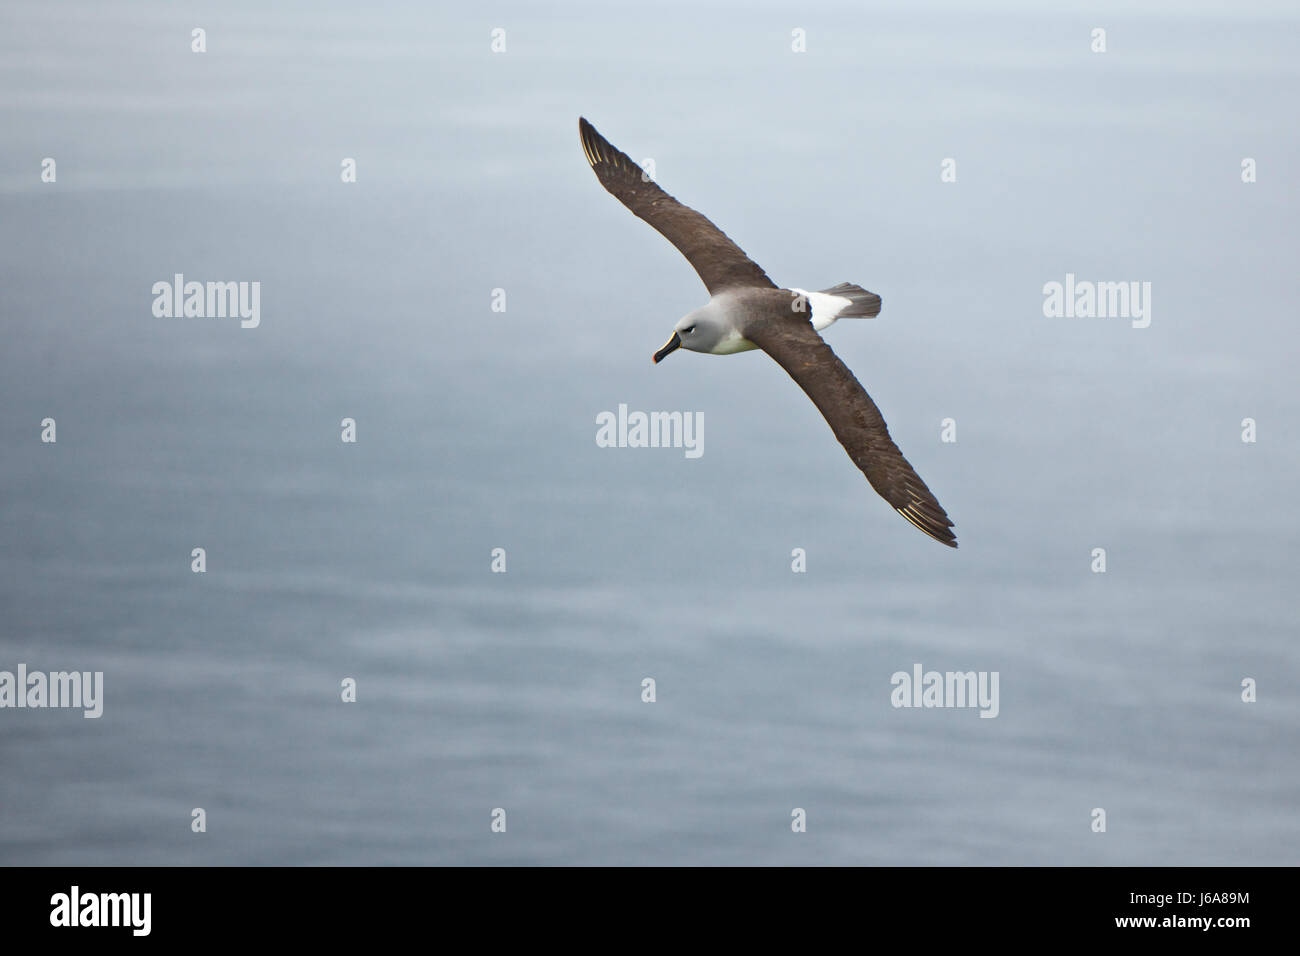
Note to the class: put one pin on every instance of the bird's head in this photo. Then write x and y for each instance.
(699, 331)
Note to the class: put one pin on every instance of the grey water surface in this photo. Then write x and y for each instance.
(476, 430)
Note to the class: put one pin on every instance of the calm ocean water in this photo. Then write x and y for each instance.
(475, 431)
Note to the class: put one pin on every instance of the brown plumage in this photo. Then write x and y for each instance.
(853, 417)
(718, 260)
(747, 310)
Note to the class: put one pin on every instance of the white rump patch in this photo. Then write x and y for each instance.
(825, 308)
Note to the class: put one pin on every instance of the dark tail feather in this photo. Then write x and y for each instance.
(866, 305)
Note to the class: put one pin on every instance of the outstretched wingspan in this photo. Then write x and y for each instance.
(854, 418)
(719, 261)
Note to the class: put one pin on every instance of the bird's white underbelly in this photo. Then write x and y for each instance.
(732, 343)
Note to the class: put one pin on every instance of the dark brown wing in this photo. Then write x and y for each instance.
(719, 261)
(854, 419)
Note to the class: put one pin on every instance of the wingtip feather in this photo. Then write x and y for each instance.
(931, 528)
(591, 142)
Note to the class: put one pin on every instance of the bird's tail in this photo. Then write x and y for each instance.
(866, 305)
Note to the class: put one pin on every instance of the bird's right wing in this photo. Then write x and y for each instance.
(719, 261)
(854, 418)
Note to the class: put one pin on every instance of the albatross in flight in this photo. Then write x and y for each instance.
(747, 311)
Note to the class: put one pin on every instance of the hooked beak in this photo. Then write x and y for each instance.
(672, 345)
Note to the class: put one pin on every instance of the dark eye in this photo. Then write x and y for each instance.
(688, 331)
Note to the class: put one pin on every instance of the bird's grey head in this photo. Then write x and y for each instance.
(700, 331)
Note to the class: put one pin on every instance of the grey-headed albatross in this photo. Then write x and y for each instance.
(746, 310)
